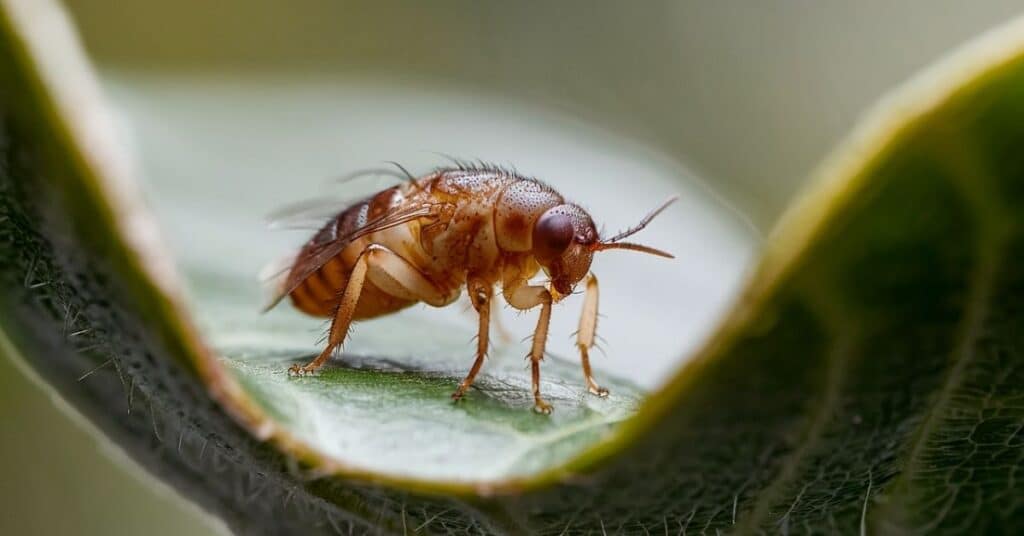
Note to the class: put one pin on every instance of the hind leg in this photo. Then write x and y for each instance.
(389, 272)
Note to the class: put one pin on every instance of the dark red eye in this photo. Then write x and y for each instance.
(552, 233)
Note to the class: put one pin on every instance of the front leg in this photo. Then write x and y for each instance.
(586, 334)
(524, 296)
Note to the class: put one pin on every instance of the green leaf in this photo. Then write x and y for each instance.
(393, 415)
(868, 379)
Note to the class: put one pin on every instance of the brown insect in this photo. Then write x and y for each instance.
(472, 226)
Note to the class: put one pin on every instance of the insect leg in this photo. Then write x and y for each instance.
(342, 316)
(523, 296)
(389, 272)
(587, 332)
(393, 274)
(480, 294)
(501, 330)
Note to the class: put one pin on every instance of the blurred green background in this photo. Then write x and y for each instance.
(749, 95)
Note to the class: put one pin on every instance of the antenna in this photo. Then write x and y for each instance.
(614, 242)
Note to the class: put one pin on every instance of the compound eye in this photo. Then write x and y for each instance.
(552, 234)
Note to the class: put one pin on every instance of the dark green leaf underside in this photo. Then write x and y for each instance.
(882, 387)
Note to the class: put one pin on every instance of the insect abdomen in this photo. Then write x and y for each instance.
(318, 295)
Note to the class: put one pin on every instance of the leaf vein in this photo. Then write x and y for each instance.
(979, 297)
(839, 353)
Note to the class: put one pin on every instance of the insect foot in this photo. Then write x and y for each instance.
(542, 407)
(599, 391)
(299, 370)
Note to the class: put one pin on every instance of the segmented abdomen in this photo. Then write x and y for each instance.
(319, 293)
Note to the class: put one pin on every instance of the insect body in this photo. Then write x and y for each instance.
(472, 227)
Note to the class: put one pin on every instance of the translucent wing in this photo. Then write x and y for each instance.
(315, 254)
(310, 214)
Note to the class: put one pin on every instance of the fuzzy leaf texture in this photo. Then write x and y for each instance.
(869, 378)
